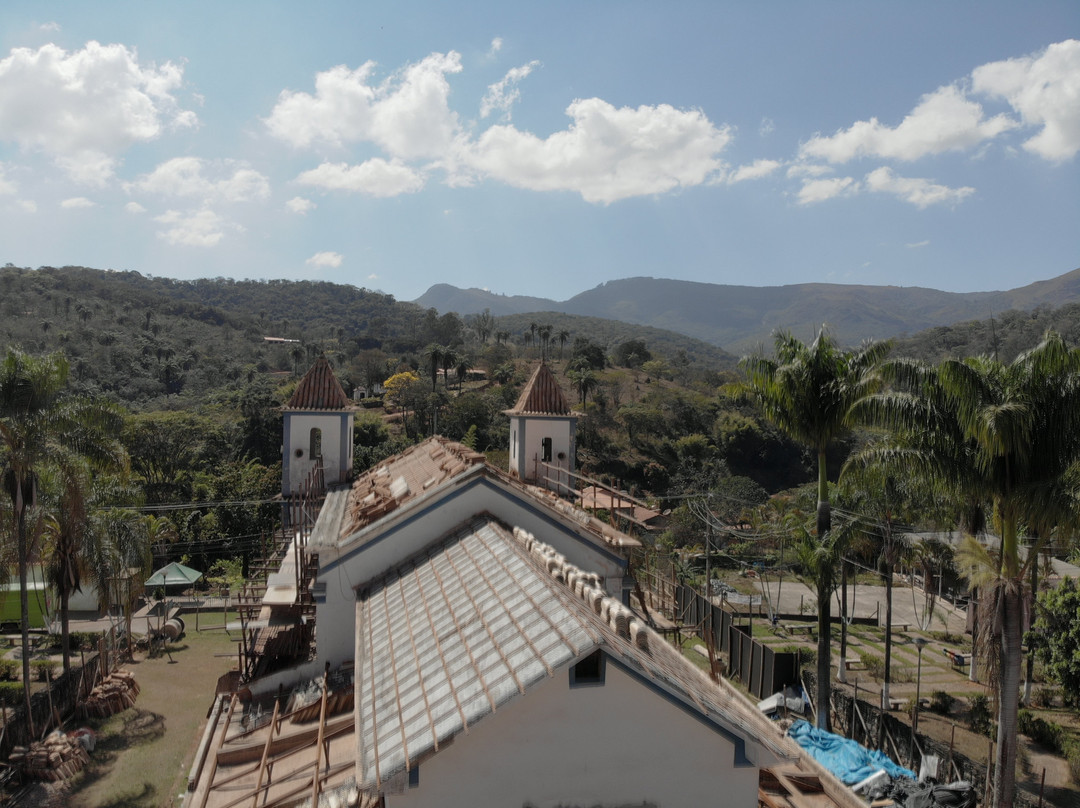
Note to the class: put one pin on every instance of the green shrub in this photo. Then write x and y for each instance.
(1047, 733)
(981, 719)
(42, 668)
(874, 664)
(9, 670)
(1044, 696)
(1074, 762)
(941, 702)
(11, 693)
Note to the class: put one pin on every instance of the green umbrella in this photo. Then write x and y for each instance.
(174, 574)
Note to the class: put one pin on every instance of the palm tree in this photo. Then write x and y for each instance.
(449, 360)
(38, 425)
(808, 392)
(433, 353)
(564, 335)
(1008, 434)
(464, 365)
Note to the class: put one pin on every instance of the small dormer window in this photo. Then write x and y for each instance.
(316, 443)
(546, 446)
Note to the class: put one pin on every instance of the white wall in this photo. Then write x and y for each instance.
(615, 745)
(526, 448)
(337, 452)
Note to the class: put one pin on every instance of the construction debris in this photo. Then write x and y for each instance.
(115, 694)
(58, 757)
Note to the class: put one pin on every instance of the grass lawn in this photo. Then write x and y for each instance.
(10, 612)
(144, 753)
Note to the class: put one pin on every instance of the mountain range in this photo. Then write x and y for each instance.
(743, 318)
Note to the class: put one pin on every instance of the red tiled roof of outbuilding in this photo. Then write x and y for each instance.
(319, 390)
(542, 395)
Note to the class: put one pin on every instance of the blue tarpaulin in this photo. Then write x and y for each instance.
(846, 759)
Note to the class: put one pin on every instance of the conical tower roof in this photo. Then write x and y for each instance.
(319, 390)
(542, 395)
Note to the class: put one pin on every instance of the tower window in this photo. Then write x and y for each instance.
(316, 443)
(546, 445)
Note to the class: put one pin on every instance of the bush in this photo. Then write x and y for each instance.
(981, 718)
(9, 670)
(11, 693)
(1074, 762)
(1046, 733)
(42, 668)
(875, 665)
(941, 702)
(1044, 696)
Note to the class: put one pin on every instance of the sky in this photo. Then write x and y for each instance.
(544, 148)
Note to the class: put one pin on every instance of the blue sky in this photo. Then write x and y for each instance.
(543, 149)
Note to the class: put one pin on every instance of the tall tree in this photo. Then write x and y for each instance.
(808, 391)
(38, 424)
(1008, 434)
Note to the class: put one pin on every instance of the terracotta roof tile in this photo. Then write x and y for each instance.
(319, 390)
(542, 395)
(400, 478)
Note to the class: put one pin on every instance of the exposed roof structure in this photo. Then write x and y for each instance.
(542, 395)
(479, 618)
(398, 481)
(403, 477)
(319, 389)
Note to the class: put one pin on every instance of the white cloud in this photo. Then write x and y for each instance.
(944, 120)
(372, 277)
(375, 177)
(756, 170)
(496, 46)
(203, 228)
(300, 205)
(76, 202)
(28, 205)
(408, 115)
(87, 106)
(918, 191)
(6, 185)
(503, 94)
(766, 128)
(820, 190)
(49, 27)
(807, 170)
(1045, 90)
(134, 207)
(325, 259)
(606, 154)
(184, 176)
(917, 244)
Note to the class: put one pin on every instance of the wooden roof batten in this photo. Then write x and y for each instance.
(542, 395)
(319, 389)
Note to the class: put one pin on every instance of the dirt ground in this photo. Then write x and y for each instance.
(144, 753)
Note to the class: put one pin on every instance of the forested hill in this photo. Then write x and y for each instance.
(147, 340)
(741, 318)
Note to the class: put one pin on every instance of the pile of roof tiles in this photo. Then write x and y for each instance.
(58, 757)
(115, 694)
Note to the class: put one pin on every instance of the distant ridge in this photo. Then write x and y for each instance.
(742, 318)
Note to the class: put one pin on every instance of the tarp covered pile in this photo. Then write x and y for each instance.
(846, 759)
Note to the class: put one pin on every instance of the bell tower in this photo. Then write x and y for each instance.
(318, 427)
(543, 431)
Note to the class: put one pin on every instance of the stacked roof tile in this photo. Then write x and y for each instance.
(542, 395)
(404, 477)
(319, 390)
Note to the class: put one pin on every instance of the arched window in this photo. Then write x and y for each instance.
(315, 450)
